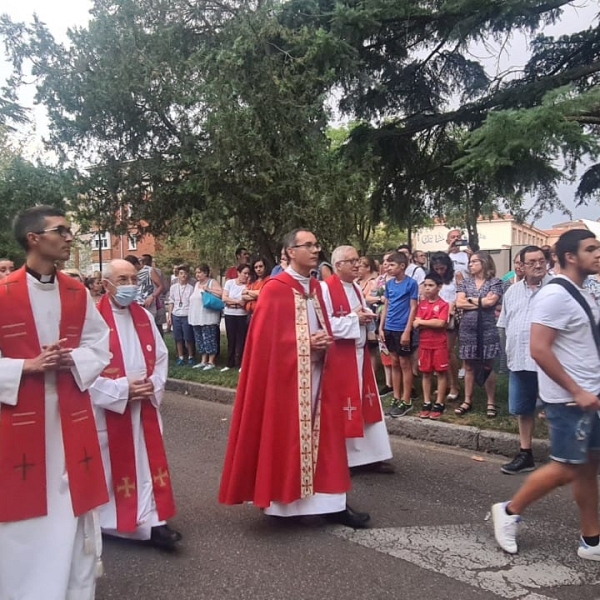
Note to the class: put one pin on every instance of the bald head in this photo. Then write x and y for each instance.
(119, 268)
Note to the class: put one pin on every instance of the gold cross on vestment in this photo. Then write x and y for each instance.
(342, 312)
(162, 475)
(126, 487)
(349, 408)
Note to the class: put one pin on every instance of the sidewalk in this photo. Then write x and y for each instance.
(450, 434)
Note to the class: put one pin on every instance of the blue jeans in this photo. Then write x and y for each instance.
(573, 433)
(522, 392)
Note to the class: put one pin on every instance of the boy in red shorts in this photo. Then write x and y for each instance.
(431, 320)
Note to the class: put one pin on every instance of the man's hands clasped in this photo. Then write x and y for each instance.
(140, 389)
(54, 357)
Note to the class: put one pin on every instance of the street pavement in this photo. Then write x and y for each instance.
(429, 537)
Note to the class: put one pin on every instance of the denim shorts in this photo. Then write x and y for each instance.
(573, 433)
(522, 392)
(182, 330)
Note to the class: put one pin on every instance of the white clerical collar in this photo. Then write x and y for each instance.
(39, 277)
(304, 281)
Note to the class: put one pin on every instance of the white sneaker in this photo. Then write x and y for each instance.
(588, 552)
(199, 366)
(224, 369)
(208, 367)
(461, 373)
(505, 527)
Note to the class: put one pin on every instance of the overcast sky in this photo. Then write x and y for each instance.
(60, 15)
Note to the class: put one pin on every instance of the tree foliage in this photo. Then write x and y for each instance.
(23, 184)
(216, 113)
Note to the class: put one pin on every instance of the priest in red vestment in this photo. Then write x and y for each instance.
(127, 398)
(368, 442)
(286, 451)
(53, 345)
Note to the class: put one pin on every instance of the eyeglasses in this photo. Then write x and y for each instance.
(352, 261)
(308, 246)
(535, 263)
(63, 231)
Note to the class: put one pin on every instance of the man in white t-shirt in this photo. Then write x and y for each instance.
(416, 268)
(459, 258)
(568, 363)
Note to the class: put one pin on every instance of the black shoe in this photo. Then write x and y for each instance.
(350, 518)
(382, 466)
(399, 410)
(521, 463)
(394, 404)
(162, 536)
(385, 390)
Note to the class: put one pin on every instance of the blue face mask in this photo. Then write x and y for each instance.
(125, 294)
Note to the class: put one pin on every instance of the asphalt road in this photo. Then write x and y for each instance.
(429, 537)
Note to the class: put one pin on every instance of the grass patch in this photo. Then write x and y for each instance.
(477, 418)
(229, 379)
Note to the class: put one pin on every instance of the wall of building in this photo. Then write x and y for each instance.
(493, 235)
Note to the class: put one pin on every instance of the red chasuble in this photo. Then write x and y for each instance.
(360, 406)
(279, 449)
(120, 430)
(22, 427)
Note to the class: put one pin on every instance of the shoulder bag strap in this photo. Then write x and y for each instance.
(576, 295)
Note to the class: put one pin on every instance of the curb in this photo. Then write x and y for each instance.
(413, 428)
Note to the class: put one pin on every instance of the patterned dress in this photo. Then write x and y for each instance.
(467, 332)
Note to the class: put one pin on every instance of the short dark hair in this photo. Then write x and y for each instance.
(240, 268)
(404, 247)
(442, 258)
(568, 242)
(204, 268)
(435, 278)
(529, 249)
(133, 259)
(240, 249)
(32, 220)
(183, 268)
(399, 258)
(289, 239)
(147, 259)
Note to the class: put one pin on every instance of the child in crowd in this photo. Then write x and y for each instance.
(431, 321)
(399, 308)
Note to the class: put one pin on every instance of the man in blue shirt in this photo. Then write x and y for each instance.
(400, 305)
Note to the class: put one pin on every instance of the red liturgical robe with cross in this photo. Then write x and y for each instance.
(286, 443)
(50, 537)
(362, 408)
(140, 491)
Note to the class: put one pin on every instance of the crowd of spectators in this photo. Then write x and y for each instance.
(419, 300)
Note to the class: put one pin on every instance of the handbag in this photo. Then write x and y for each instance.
(481, 368)
(211, 302)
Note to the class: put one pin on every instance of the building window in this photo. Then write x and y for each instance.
(101, 240)
(132, 242)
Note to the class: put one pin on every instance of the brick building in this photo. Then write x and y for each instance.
(94, 249)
